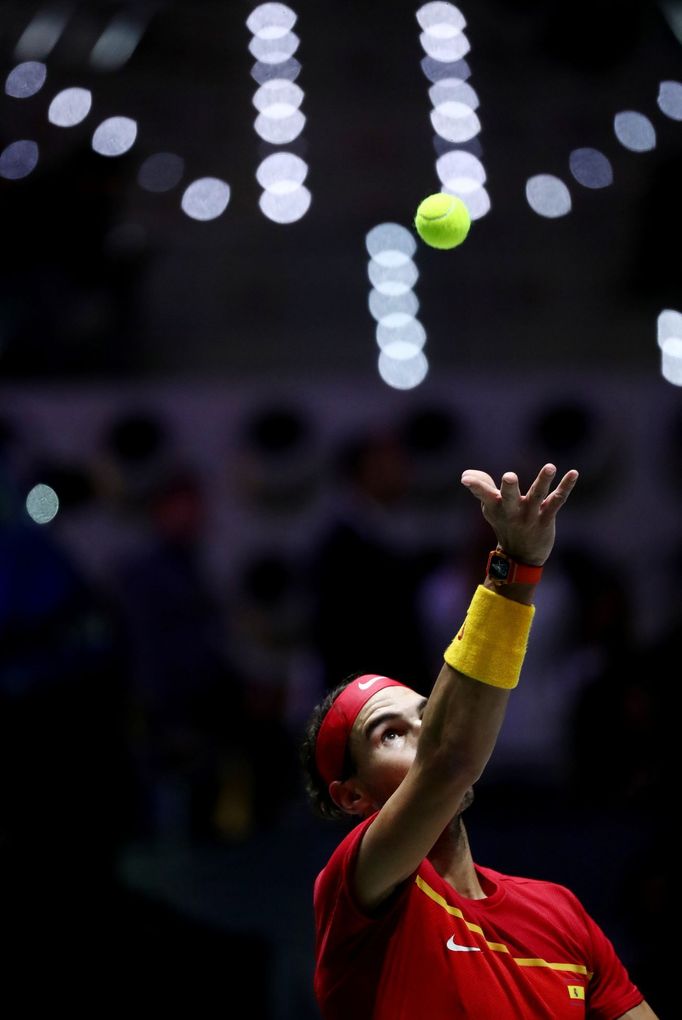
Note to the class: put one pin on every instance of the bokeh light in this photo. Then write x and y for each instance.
(280, 120)
(403, 373)
(26, 79)
(42, 504)
(668, 325)
(591, 168)
(69, 107)
(114, 136)
(119, 40)
(205, 198)
(285, 207)
(454, 102)
(634, 131)
(394, 305)
(671, 360)
(161, 172)
(18, 159)
(670, 99)
(548, 196)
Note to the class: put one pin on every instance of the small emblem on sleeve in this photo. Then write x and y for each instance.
(576, 992)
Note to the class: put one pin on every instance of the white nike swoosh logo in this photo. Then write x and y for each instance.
(451, 944)
(368, 683)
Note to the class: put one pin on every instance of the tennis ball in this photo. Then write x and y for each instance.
(442, 220)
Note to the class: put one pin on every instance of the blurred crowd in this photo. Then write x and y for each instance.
(141, 702)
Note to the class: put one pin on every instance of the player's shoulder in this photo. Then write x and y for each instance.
(538, 889)
(344, 852)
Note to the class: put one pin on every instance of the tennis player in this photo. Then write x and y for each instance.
(408, 927)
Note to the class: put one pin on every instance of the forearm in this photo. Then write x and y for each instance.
(464, 713)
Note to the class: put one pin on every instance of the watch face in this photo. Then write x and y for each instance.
(499, 568)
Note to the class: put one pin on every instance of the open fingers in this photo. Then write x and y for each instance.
(558, 497)
(480, 484)
(540, 487)
(509, 488)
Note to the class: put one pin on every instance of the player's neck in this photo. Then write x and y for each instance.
(451, 857)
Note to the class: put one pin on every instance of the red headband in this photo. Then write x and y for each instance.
(330, 747)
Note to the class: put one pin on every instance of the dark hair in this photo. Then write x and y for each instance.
(315, 786)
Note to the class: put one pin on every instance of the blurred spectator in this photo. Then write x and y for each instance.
(433, 437)
(66, 793)
(625, 725)
(364, 578)
(572, 432)
(188, 707)
(268, 623)
(276, 460)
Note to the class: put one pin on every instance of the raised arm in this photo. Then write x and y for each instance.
(463, 716)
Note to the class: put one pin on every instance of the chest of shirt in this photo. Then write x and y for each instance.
(464, 962)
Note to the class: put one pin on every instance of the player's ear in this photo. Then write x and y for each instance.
(349, 796)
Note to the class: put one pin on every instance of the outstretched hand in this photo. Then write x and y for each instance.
(525, 526)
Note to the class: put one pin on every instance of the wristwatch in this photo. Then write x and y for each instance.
(502, 569)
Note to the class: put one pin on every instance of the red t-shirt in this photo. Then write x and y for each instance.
(528, 951)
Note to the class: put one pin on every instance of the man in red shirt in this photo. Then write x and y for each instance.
(408, 927)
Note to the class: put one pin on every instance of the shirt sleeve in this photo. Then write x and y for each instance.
(611, 993)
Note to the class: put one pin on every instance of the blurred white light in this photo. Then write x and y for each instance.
(114, 136)
(445, 50)
(381, 305)
(671, 360)
(436, 14)
(70, 107)
(42, 504)
(548, 196)
(394, 279)
(455, 122)
(276, 95)
(634, 131)
(285, 208)
(282, 172)
(454, 90)
(18, 159)
(280, 129)
(205, 198)
(411, 332)
(437, 70)
(458, 164)
(390, 244)
(42, 33)
(397, 320)
(400, 350)
(441, 147)
(26, 79)
(668, 324)
(591, 168)
(461, 186)
(117, 42)
(670, 99)
(403, 374)
(476, 201)
(268, 16)
(289, 70)
(274, 51)
(161, 172)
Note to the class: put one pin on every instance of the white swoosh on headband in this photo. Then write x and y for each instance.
(456, 948)
(368, 683)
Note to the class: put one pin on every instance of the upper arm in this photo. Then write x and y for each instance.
(641, 1012)
(454, 744)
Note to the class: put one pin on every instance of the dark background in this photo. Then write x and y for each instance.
(240, 493)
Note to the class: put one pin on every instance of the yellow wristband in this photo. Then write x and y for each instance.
(491, 644)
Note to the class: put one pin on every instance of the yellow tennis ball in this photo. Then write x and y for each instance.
(442, 220)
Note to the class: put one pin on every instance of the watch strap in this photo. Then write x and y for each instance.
(502, 569)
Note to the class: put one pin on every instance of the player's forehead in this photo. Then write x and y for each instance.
(395, 700)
